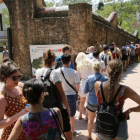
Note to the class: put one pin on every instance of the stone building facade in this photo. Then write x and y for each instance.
(32, 24)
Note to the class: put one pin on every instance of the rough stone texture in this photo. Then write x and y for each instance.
(77, 27)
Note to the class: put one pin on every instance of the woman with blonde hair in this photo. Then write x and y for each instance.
(92, 105)
(84, 69)
(110, 90)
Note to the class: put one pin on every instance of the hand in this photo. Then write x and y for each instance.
(126, 113)
(23, 111)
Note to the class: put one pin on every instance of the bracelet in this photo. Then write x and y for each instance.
(129, 111)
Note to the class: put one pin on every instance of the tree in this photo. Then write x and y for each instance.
(126, 12)
(100, 6)
(6, 17)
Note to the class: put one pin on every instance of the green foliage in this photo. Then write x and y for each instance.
(50, 3)
(100, 6)
(6, 17)
(126, 12)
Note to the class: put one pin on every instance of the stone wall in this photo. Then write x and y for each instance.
(32, 24)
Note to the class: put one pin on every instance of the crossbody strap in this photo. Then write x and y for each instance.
(55, 116)
(67, 80)
(96, 81)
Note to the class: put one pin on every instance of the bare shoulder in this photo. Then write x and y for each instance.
(2, 100)
(97, 84)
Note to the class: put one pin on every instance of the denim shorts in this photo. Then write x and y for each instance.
(72, 104)
(122, 132)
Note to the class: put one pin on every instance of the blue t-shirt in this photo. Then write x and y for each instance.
(59, 57)
(90, 81)
(131, 47)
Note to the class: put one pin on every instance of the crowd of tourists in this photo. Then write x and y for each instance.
(44, 108)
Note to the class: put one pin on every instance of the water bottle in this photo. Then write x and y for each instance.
(27, 106)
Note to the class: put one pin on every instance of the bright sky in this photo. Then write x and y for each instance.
(92, 0)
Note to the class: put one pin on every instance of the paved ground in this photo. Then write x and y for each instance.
(130, 78)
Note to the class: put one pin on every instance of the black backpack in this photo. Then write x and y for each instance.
(123, 50)
(59, 63)
(104, 58)
(53, 99)
(106, 121)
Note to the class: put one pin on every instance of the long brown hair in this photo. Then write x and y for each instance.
(115, 68)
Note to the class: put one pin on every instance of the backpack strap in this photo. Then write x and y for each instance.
(67, 80)
(116, 94)
(95, 81)
(102, 92)
(47, 74)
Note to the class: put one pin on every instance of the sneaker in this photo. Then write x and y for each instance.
(77, 132)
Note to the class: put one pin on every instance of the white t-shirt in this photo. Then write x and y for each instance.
(71, 76)
(108, 58)
(56, 76)
(5, 54)
(127, 50)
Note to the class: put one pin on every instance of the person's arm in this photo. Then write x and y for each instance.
(16, 131)
(6, 122)
(76, 81)
(103, 66)
(60, 119)
(63, 96)
(77, 86)
(96, 86)
(120, 53)
(131, 94)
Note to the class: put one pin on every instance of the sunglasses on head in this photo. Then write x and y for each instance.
(15, 78)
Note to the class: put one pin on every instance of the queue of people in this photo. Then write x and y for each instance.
(51, 97)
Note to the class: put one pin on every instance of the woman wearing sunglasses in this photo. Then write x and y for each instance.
(12, 101)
